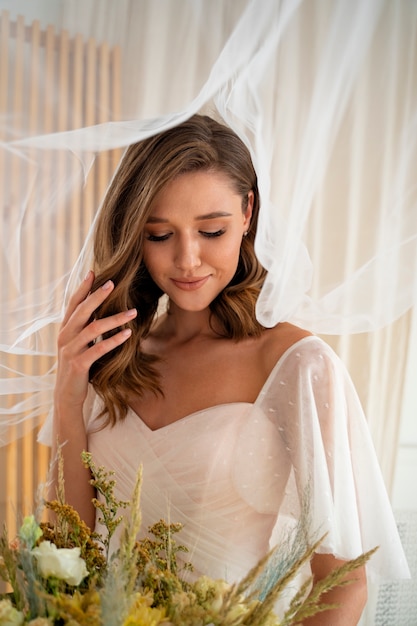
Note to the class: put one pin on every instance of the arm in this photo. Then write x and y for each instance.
(75, 357)
(351, 598)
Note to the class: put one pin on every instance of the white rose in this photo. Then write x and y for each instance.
(63, 563)
(9, 616)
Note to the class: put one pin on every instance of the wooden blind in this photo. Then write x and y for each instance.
(49, 81)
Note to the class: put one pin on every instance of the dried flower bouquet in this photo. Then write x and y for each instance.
(58, 574)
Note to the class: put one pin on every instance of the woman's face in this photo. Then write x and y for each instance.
(193, 237)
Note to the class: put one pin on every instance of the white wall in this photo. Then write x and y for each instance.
(46, 11)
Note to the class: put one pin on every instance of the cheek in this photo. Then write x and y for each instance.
(152, 262)
(229, 256)
(236, 245)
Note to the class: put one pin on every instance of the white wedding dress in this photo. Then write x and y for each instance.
(236, 475)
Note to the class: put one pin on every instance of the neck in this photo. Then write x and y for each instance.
(184, 326)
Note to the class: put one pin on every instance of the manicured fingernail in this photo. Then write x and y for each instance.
(88, 275)
(107, 285)
(131, 313)
(126, 332)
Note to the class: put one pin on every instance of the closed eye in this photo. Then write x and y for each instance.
(216, 233)
(207, 234)
(157, 237)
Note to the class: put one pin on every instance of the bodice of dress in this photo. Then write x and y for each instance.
(190, 475)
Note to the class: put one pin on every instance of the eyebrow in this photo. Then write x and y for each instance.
(207, 216)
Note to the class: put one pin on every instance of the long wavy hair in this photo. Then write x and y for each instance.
(200, 143)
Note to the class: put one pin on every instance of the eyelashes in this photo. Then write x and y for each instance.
(206, 234)
(216, 233)
(157, 237)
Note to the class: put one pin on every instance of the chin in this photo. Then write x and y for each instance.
(192, 304)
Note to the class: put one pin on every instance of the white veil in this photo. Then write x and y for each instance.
(323, 92)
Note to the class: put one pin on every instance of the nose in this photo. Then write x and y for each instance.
(187, 253)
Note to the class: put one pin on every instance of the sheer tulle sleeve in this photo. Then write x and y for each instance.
(319, 421)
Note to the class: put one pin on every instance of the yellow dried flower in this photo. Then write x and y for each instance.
(40, 621)
(80, 608)
(211, 593)
(142, 614)
(182, 600)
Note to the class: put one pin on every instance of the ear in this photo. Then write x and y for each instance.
(247, 216)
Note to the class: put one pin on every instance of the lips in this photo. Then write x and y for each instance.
(190, 284)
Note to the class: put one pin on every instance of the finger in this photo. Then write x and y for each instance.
(80, 340)
(79, 295)
(73, 347)
(99, 327)
(106, 345)
(84, 309)
(102, 347)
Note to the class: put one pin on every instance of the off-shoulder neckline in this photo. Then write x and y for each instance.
(215, 407)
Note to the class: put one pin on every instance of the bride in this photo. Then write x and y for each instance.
(233, 422)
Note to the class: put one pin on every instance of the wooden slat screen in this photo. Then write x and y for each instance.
(82, 73)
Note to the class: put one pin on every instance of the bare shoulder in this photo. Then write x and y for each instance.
(277, 340)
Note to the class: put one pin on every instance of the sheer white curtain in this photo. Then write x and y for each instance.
(325, 94)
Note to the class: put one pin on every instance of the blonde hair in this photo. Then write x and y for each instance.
(200, 143)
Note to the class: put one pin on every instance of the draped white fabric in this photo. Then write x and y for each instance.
(323, 92)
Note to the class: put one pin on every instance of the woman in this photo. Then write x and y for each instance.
(233, 422)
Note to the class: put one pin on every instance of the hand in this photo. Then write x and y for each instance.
(76, 350)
